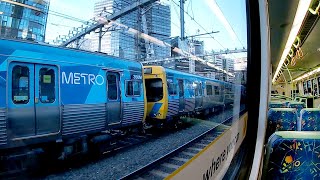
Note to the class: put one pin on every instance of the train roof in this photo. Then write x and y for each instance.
(54, 53)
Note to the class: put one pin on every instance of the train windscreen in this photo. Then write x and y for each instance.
(154, 89)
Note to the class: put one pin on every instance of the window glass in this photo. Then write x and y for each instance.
(129, 88)
(172, 89)
(309, 86)
(196, 89)
(154, 89)
(216, 90)
(319, 84)
(112, 87)
(200, 90)
(136, 88)
(175, 35)
(209, 89)
(47, 85)
(20, 85)
(133, 88)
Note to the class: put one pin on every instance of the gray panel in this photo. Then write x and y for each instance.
(83, 118)
(48, 119)
(181, 104)
(114, 112)
(3, 127)
(173, 107)
(212, 101)
(21, 122)
(133, 112)
(190, 104)
(198, 102)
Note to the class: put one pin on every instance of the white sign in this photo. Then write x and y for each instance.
(82, 78)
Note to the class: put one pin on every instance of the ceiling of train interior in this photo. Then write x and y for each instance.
(281, 17)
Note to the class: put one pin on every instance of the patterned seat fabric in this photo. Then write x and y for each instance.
(277, 104)
(297, 105)
(309, 119)
(281, 119)
(293, 155)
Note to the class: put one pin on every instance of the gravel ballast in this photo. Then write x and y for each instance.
(133, 158)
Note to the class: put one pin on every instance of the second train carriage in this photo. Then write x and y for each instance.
(172, 93)
(51, 94)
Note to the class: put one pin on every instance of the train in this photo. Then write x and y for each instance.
(62, 100)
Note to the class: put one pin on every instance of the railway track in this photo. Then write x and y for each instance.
(167, 164)
(117, 144)
(121, 143)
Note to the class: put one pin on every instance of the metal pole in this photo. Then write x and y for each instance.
(100, 37)
(182, 19)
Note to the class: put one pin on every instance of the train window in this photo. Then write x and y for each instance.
(172, 89)
(154, 89)
(319, 84)
(309, 86)
(136, 88)
(47, 85)
(216, 90)
(209, 89)
(112, 87)
(196, 90)
(20, 85)
(200, 89)
(181, 90)
(133, 88)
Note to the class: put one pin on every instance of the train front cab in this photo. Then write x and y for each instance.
(156, 94)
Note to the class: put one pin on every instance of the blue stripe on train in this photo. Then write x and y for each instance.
(155, 109)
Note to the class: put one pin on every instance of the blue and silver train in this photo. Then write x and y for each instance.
(64, 98)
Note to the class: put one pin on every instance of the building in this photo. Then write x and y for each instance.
(153, 21)
(22, 22)
(225, 64)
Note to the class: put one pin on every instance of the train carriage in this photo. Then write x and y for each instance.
(51, 94)
(171, 93)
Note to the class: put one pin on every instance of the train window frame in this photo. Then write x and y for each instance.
(117, 87)
(217, 89)
(12, 84)
(197, 89)
(200, 89)
(54, 85)
(126, 88)
(211, 92)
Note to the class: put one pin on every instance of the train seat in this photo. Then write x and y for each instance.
(309, 119)
(281, 119)
(292, 155)
(297, 105)
(276, 104)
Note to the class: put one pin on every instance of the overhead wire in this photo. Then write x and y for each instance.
(55, 13)
(193, 19)
(234, 31)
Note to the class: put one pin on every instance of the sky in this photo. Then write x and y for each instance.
(234, 12)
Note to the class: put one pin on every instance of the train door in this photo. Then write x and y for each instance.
(46, 99)
(198, 96)
(33, 103)
(113, 98)
(181, 95)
